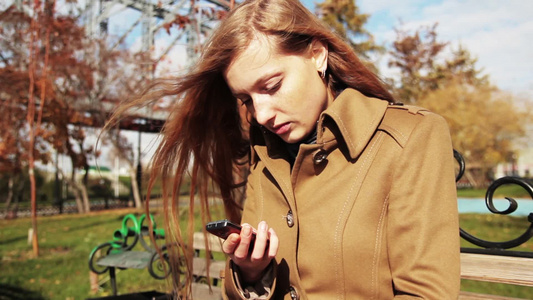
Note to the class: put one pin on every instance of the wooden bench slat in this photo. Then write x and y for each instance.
(495, 268)
(127, 260)
(476, 296)
(215, 243)
(201, 291)
(215, 267)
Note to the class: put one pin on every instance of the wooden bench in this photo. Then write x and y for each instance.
(202, 288)
(496, 269)
(493, 262)
(474, 266)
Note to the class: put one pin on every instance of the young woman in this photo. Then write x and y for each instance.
(352, 196)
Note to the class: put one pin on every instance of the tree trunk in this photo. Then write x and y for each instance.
(79, 202)
(14, 211)
(471, 179)
(35, 238)
(85, 198)
(9, 197)
(83, 190)
(135, 188)
(17, 197)
(77, 193)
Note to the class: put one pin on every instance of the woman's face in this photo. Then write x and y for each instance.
(284, 93)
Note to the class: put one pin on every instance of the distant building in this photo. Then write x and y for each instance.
(521, 165)
(525, 163)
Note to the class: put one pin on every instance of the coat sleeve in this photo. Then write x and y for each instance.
(423, 225)
(233, 287)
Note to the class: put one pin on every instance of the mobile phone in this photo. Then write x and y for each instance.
(224, 228)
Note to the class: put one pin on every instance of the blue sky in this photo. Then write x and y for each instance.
(499, 33)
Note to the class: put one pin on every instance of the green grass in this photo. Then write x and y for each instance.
(61, 270)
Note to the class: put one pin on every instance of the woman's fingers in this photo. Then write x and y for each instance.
(252, 246)
(242, 250)
(261, 242)
(231, 243)
(252, 250)
(273, 243)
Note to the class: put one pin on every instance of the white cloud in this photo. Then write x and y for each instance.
(497, 32)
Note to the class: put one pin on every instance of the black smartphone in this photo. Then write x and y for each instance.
(224, 228)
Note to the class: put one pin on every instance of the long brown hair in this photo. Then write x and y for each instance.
(204, 133)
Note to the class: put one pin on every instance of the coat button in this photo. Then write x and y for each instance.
(320, 156)
(290, 219)
(293, 293)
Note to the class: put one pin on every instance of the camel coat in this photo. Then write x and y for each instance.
(368, 212)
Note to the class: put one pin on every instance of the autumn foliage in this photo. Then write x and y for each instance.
(485, 123)
(68, 83)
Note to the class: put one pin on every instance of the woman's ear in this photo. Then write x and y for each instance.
(319, 50)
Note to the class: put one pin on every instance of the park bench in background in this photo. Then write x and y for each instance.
(493, 261)
(121, 253)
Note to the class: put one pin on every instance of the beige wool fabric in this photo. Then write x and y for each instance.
(368, 212)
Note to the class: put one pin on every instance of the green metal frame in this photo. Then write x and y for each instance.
(119, 249)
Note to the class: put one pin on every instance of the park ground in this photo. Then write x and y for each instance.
(61, 269)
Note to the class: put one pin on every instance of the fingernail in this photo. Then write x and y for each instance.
(246, 230)
(263, 226)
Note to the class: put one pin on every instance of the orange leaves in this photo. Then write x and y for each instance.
(180, 21)
(483, 122)
(62, 75)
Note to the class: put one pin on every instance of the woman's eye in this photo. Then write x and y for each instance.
(273, 88)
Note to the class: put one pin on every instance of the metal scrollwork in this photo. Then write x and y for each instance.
(159, 266)
(513, 205)
(462, 166)
(498, 247)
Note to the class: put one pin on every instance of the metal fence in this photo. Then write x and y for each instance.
(67, 208)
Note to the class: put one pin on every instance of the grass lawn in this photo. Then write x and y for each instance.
(61, 270)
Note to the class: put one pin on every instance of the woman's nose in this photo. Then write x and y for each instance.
(264, 110)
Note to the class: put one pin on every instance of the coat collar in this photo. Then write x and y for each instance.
(356, 118)
(351, 117)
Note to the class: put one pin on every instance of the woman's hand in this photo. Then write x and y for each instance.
(252, 259)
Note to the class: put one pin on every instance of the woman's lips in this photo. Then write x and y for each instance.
(282, 129)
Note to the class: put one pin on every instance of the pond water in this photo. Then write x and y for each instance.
(477, 205)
